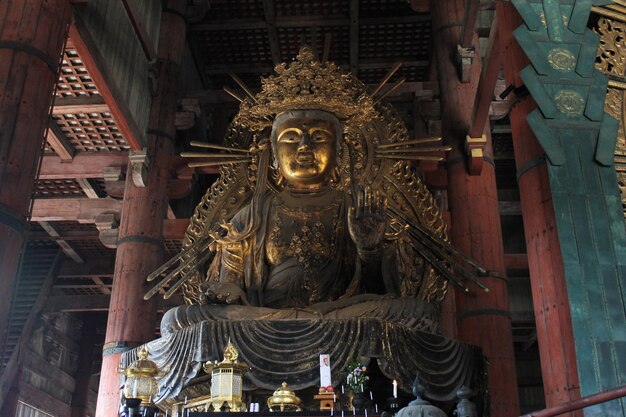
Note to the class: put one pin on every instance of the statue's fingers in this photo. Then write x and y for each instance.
(368, 199)
(351, 216)
(360, 197)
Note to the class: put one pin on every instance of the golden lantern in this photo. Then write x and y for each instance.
(227, 380)
(141, 380)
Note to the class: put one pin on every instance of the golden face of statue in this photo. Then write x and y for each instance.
(306, 149)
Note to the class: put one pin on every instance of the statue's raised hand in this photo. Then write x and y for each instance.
(366, 221)
(226, 293)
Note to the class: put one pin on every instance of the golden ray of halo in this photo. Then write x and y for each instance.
(221, 147)
(210, 155)
(416, 150)
(243, 86)
(386, 78)
(393, 88)
(214, 163)
(233, 94)
(411, 157)
(410, 142)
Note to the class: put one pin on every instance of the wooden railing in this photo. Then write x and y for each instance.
(594, 399)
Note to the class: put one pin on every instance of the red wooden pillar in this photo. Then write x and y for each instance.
(552, 315)
(32, 35)
(482, 318)
(132, 320)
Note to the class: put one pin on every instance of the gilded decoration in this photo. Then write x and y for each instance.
(569, 102)
(561, 59)
(611, 59)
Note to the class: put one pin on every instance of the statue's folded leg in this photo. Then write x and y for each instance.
(409, 311)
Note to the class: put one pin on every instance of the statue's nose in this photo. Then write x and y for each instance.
(305, 141)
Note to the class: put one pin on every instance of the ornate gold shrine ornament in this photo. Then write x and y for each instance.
(611, 59)
(307, 84)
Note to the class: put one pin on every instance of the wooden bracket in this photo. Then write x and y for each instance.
(140, 164)
(464, 59)
(474, 148)
(107, 225)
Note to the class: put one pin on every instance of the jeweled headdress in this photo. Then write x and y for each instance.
(307, 84)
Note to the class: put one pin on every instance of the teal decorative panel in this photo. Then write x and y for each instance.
(578, 138)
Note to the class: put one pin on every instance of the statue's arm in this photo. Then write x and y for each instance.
(225, 277)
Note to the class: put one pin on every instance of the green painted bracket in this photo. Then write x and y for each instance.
(531, 18)
(594, 108)
(585, 65)
(529, 45)
(607, 137)
(548, 138)
(539, 93)
(579, 16)
(554, 21)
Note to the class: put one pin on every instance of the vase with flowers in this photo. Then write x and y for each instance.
(357, 380)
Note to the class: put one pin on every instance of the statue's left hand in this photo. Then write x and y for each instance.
(366, 222)
(226, 293)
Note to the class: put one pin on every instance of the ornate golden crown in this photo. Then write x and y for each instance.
(307, 84)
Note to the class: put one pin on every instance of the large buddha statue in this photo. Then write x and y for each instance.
(318, 238)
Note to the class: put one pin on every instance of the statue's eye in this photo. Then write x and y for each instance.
(289, 136)
(319, 135)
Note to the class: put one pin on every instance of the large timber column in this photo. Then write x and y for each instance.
(32, 35)
(482, 318)
(552, 316)
(132, 320)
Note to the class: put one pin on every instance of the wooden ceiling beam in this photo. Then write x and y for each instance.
(58, 142)
(83, 210)
(305, 22)
(83, 165)
(80, 108)
(92, 164)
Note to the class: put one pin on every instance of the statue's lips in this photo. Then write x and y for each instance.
(305, 158)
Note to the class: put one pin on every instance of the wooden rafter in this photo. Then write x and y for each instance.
(140, 30)
(87, 188)
(64, 245)
(94, 62)
(469, 23)
(58, 142)
(488, 78)
(354, 37)
(272, 34)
